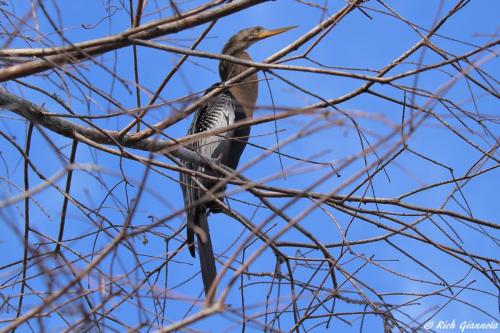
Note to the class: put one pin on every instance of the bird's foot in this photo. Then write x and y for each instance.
(214, 208)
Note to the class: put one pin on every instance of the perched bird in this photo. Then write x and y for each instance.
(236, 104)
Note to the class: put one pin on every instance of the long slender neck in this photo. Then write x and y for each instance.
(245, 92)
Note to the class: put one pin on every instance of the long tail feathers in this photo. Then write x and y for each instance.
(205, 250)
(206, 253)
(198, 224)
(190, 241)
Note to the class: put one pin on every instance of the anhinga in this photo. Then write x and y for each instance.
(235, 104)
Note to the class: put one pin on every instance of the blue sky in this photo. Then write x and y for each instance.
(358, 42)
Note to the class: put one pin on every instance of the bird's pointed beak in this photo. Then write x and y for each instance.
(269, 33)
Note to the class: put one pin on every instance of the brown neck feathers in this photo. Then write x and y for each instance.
(245, 92)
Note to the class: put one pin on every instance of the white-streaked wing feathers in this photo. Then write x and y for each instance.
(219, 112)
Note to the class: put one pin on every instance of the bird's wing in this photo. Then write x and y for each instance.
(217, 113)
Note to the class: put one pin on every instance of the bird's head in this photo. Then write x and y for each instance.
(246, 37)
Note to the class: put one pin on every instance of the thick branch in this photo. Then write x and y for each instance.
(54, 57)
